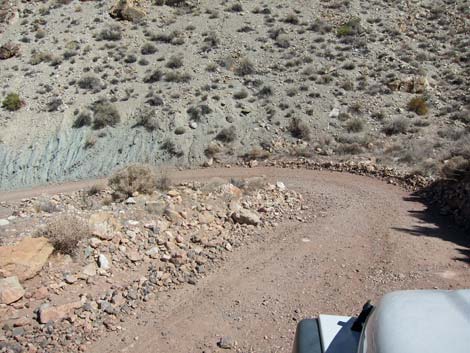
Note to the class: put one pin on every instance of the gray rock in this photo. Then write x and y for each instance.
(226, 342)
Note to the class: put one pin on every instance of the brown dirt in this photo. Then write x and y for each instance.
(362, 238)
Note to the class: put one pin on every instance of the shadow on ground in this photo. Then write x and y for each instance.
(438, 226)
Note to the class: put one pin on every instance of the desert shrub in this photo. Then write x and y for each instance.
(90, 141)
(283, 41)
(355, 125)
(237, 7)
(90, 82)
(174, 62)
(46, 206)
(463, 116)
(292, 19)
(153, 99)
(352, 27)
(169, 2)
(146, 118)
(349, 148)
(227, 135)
(54, 104)
(242, 94)
(211, 41)
(177, 77)
(148, 48)
(172, 148)
(299, 129)
(257, 153)
(12, 102)
(212, 149)
(396, 126)
(155, 76)
(139, 178)
(83, 119)
(65, 232)
(456, 168)
(38, 57)
(95, 189)
(418, 105)
(196, 113)
(104, 114)
(265, 91)
(244, 67)
(112, 33)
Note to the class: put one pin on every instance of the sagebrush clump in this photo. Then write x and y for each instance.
(65, 232)
(139, 178)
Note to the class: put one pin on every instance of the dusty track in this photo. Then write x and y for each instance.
(362, 239)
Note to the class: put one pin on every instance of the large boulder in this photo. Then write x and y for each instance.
(10, 290)
(127, 10)
(24, 259)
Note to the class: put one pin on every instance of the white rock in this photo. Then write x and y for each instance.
(280, 185)
(103, 262)
(131, 201)
(334, 113)
(4, 222)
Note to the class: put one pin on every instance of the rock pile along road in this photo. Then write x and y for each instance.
(357, 239)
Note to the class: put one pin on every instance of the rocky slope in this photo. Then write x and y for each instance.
(89, 89)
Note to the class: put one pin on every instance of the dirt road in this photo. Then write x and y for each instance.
(362, 238)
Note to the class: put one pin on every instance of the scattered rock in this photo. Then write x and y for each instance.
(41, 293)
(127, 10)
(244, 216)
(153, 252)
(48, 313)
(226, 342)
(70, 279)
(26, 258)
(103, 262)
(89, 270)
(10, 290)
(4, 222)
(134, 256)
(130, 201)
(103, 225)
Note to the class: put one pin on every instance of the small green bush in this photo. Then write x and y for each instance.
(12, 102)
(349, 28)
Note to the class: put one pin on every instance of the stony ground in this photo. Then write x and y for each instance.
(216, 80)
(190, 278)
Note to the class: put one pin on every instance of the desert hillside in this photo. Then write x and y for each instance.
(90, 86)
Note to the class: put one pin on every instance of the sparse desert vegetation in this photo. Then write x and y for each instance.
(201, 85)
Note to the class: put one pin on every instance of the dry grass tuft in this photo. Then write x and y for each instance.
(65, 232)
